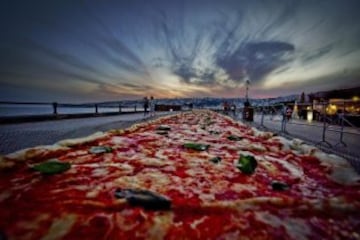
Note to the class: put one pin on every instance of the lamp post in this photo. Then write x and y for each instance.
(247, 83)
(248, 112)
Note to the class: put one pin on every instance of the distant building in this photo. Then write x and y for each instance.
(337, 101)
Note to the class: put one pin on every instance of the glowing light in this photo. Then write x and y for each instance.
(331, 109)
(309, 116)
(355, 98)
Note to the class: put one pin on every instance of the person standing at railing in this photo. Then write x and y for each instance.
(288, 113)
(152, 106)
(146, 105)
(233, 109)
(226, 107)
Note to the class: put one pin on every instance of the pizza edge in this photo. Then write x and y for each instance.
(9, 160)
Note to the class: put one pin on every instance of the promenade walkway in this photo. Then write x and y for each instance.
(14, 137)
(312, 134)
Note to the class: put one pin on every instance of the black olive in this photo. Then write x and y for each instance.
(144, 198)
(215, 159)
(279, 186)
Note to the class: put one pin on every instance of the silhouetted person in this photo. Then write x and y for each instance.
(146, 106)
(191, 105)
(226, 107)
(233, 109)
(152, 106)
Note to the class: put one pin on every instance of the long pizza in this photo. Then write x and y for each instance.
(193, 175)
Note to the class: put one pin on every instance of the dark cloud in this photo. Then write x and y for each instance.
(239, 57)
(255, 59)
(207, 43)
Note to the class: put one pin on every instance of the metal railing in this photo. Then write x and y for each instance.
(16, 112)
(55, 107)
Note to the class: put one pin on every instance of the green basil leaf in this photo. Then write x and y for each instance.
(247, 164)
(100, 149)
(215, 159)
(163, 128)
(52, 167)
(234, 138)
(197, 146)
(279, 186)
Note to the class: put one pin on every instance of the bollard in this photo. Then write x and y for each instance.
(96, 109)
(135, 108)
(119, 108)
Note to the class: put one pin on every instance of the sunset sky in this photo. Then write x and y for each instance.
(81, 51)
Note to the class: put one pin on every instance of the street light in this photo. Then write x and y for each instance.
(247, 83)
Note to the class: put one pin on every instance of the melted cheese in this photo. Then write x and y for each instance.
(35, 222)
(295, 171)
(286, 144)
(60, 227)
(342, 172)
(295, 228)
(238, 187)
(161, 223)
(5, 163)
(99, 172)
(261, 134)
(152, 162)
(148, 177)
(196, 222)
(94, 192)
(5, 195)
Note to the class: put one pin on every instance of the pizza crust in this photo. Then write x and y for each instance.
(82, 140)
(341, 170)
(28, 153)
(6, 163)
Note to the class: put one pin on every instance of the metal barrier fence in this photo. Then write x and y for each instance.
(325, 119)
(332, 133)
